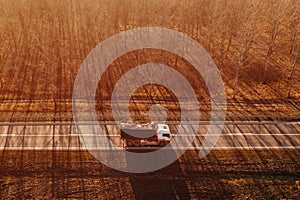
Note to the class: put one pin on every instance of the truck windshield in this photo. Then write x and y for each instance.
(166, 135)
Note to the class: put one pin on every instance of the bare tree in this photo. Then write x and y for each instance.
(277, 13)
(243, 53)
(270, 50)
(292, 76)
(247, 35)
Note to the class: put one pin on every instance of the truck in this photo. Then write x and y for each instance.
(145, 135)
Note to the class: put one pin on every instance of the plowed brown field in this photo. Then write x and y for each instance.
(226, 174)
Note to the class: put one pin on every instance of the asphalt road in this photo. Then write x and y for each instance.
(235, 135)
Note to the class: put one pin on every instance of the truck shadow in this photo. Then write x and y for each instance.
(165, 183)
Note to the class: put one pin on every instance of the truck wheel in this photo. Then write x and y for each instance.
(129, 143)
(162, 143)
(137, 143)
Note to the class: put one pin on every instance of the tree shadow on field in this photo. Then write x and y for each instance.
(166, 183)
(256, 74)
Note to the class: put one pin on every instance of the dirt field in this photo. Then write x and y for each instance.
(221, 175)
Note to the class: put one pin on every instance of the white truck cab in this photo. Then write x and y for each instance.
(163, 132)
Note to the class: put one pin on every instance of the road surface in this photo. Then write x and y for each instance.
(235, 135)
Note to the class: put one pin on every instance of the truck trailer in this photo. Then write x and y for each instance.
(145, 135)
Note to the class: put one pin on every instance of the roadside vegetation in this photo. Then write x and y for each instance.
(255, 44)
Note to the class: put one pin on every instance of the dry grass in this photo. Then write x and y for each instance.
(222, 174)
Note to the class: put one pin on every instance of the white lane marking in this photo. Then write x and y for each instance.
(66, 123)
(179, 135)
(56, 135)
(146, 148)
(250, 148)
(257, 134)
